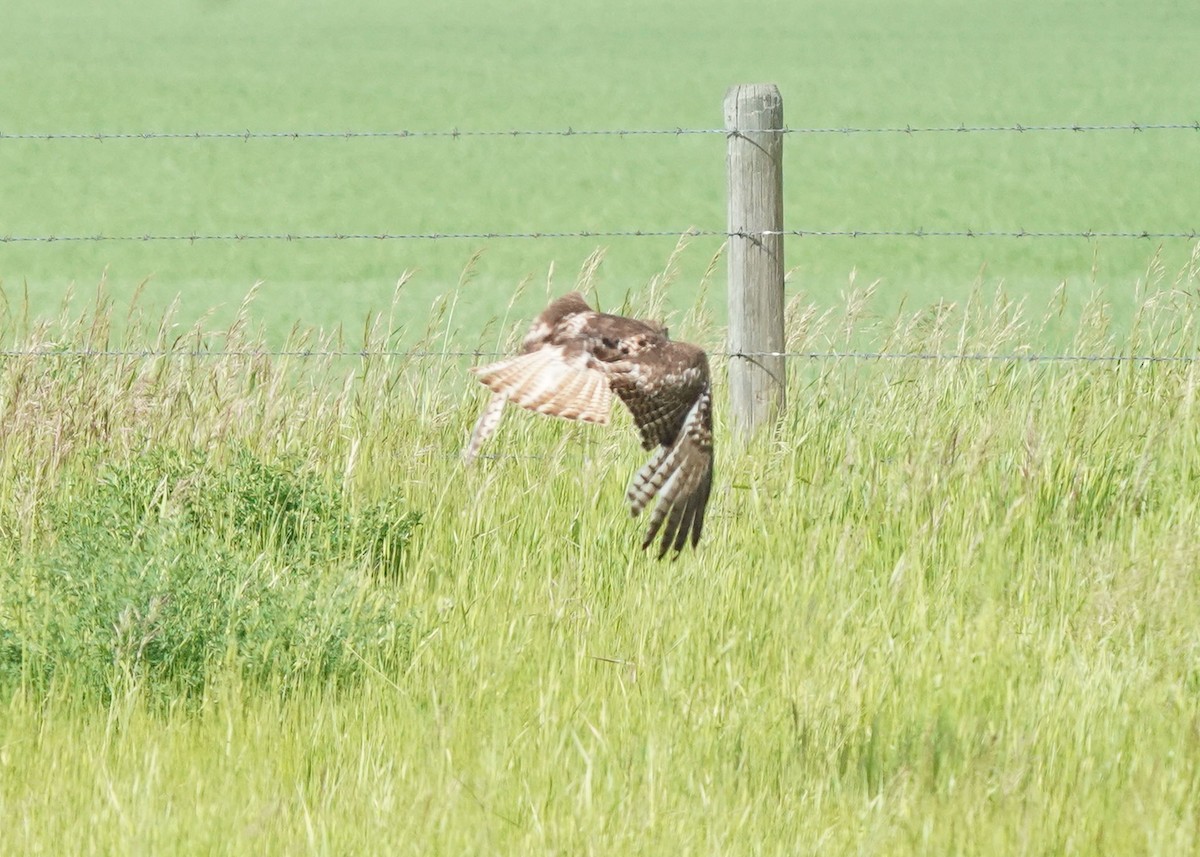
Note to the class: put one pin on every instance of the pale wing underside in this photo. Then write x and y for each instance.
(549, 382)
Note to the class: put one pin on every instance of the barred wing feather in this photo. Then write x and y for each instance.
(680, 477)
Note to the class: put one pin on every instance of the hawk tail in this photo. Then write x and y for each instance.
(485, 427)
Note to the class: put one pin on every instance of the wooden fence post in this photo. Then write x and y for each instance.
(753, 120)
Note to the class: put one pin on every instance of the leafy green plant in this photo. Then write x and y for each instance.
(172, 566)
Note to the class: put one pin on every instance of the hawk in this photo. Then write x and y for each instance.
(572, 362)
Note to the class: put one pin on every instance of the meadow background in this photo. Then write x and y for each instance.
(253, 603)
(184, 66)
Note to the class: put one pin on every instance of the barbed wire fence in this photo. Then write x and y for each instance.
(456, 133)
(690, 232)
(479, 354)
(757, 237)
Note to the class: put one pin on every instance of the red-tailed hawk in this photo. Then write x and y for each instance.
(572, 362)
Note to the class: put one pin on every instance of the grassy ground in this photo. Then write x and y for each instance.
(192, 65)
(256, 605)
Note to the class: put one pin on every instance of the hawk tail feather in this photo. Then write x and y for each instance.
(485, 427)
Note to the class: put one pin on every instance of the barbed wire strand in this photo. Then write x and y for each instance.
(457, 133)
(307, 353)
(1088, 234)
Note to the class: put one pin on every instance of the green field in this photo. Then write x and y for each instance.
(186, 65)
(253, 603)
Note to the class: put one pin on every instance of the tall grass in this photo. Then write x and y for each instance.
(947, 606)
(166, 513)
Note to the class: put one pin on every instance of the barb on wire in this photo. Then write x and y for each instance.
(1015, 128)
(250, 353)
(457, 133)
(362, 236)
(952, 357)
(477, 353)
(1088, 234)
(402, 134)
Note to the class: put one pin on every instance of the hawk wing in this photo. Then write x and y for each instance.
(552, 375)
(574, 359)
(552, 380)
(668, 390)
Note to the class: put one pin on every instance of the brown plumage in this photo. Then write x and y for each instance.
(572, 362)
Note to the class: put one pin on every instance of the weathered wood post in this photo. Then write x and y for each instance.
(753, 122)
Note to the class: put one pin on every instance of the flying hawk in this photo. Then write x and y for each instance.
(574, 359)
